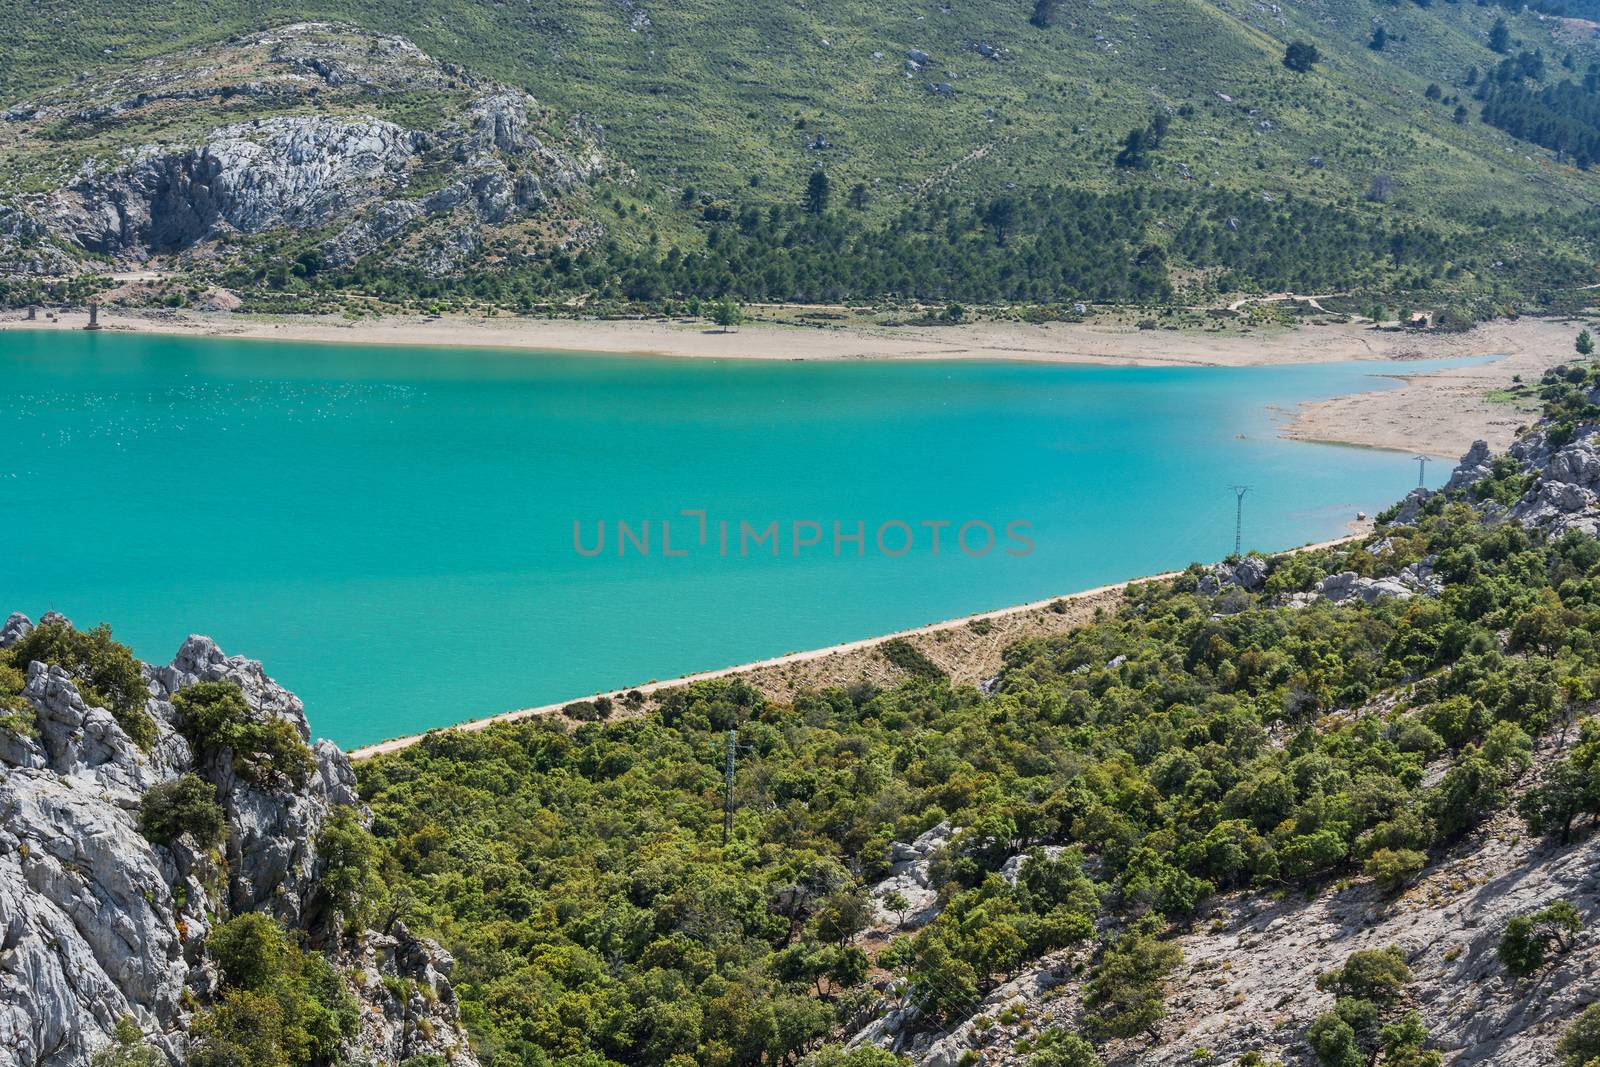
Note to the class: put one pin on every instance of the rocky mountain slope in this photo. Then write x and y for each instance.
(1248, 981)
(98, 923)
(906, 96)
(338, 141)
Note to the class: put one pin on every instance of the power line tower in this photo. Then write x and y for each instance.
(1238, 516)
(1422, 470)
(727, 800)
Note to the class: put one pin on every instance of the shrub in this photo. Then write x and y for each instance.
(108, 676)
(911, 659)
(127, 1048)
(1393, 869)
(1570, 788)
(1058, 1048)
(280, 1007)
(351, 880)
(865, 1056)
(1415, 736)
(251, 949)
(184, 805)
(1508, 747)
(1334, 1042)
(214, 717)
(1470, 791)
(1300, 56)
(1375, 974)
(16, 715)
(585, 711)
(1402, 1043)
(944, 985)
(1128, 986)
(12, 681)
(1580, 1045)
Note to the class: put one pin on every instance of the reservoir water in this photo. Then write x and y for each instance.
(392, 530)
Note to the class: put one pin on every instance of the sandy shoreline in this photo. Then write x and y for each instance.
(1439, 414)
(966, 652)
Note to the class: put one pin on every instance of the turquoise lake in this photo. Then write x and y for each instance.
(391, 530)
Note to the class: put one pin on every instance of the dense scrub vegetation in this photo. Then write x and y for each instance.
(277, 1004)
(108, 676)
(1187, 745)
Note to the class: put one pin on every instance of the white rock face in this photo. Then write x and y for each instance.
(246, 178)
(1473, 467)
(1348, 585)
(16, 627)
(1565, 497)
(908, 876)
(1249, 574)
(342, 167)
(91, 924)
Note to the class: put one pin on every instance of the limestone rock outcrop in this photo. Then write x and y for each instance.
(908, 876)
(1249, 574)
(1563, 491)
(98, 923)
(348, 172)
(1568, 488)
(288, 171)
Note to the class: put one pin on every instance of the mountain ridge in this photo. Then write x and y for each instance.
(935, 123)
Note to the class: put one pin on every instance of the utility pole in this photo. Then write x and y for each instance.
(1422, 469)
(727, 803)
(1238, 516)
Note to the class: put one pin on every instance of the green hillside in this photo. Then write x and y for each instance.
(712, 92)
(728, 105)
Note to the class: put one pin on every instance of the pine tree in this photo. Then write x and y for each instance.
(817, 193)
(1500, 37)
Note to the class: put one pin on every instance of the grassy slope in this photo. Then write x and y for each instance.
(708, 92)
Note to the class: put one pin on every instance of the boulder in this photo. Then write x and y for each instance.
(15, 629)
(1249, 574)
(1474, 467)
(1348, 585)
(909, 875)
(1411, 506)
(1011, 870)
